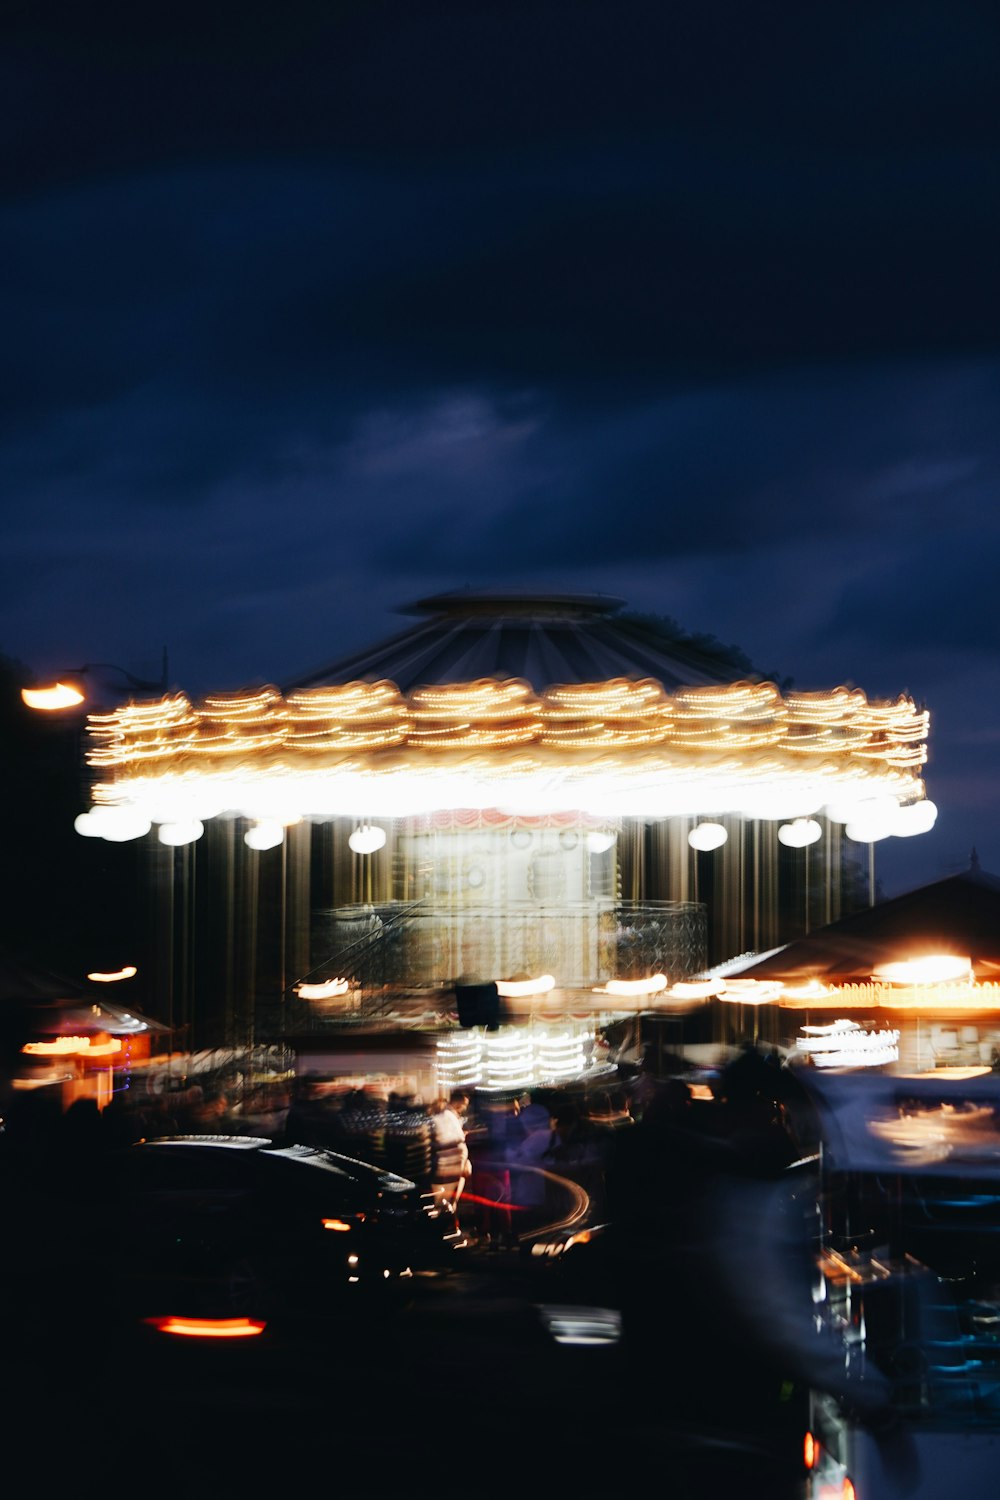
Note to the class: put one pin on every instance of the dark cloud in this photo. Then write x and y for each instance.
(315, 309)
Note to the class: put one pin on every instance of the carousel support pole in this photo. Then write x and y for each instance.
(805, 853)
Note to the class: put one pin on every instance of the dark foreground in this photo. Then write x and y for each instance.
(465, 1390)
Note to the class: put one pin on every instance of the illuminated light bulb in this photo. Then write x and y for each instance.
(116, 824)
(599, 843)
(919, 817)
(769, 806)
(125, 826)
(176, 834)
(865, 832)
(930, 968)
(873, 820)
(366, 839)
(799, 834)
(840, 812)
(707, 836)
(267, 834)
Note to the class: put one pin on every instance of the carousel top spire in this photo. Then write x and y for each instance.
(540, 638)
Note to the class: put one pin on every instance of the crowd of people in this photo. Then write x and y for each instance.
(637, 1145)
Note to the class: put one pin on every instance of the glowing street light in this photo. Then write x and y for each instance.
(59, 695)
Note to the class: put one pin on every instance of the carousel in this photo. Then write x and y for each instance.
(539, 793)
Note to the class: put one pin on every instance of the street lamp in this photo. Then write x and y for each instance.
(57, 695)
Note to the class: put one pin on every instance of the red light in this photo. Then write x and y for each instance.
(208, 1328)
(810, 1451)
(338, 1224)
(517, 1208)
(847, 1490)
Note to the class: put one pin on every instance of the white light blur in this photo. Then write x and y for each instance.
(695, 989)
(561, 1054)
(119, 825)
(459, 1060)
(771, 804)
(809, 989)
(918, 817)
(930, 968)
(264, 835)
(366, 839)
(599, 843)
(873, 820)
(798, 835)
(329, 989)
(845, 1044)
(176, 834)
(652, 985)
(515, 1057)
(509, 1060)
(129, 972)
(602, 792)
(751, 991)
(512, 989)
(707, 836)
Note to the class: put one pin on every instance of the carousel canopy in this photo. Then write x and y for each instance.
(540, 639)
(529, 705)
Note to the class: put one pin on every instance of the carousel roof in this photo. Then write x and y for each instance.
(541, 639)
(959, 915)
(518, 701)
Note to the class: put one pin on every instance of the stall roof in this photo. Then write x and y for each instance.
(958, 915)
(29, 984)
(53, 1005)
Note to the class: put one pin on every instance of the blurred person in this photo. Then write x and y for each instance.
(451, 1166)
(127, 1119)
(533, 1115)
(409, 1139)
(535, 1155)
(361, 1125)
(309, 1120)
(505, 1132)
(214, 1113)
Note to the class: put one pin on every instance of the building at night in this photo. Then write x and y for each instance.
(538, 791)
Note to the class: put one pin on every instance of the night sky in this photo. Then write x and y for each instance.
(313, 310)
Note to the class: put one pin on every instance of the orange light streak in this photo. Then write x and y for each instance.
(208, 1328)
